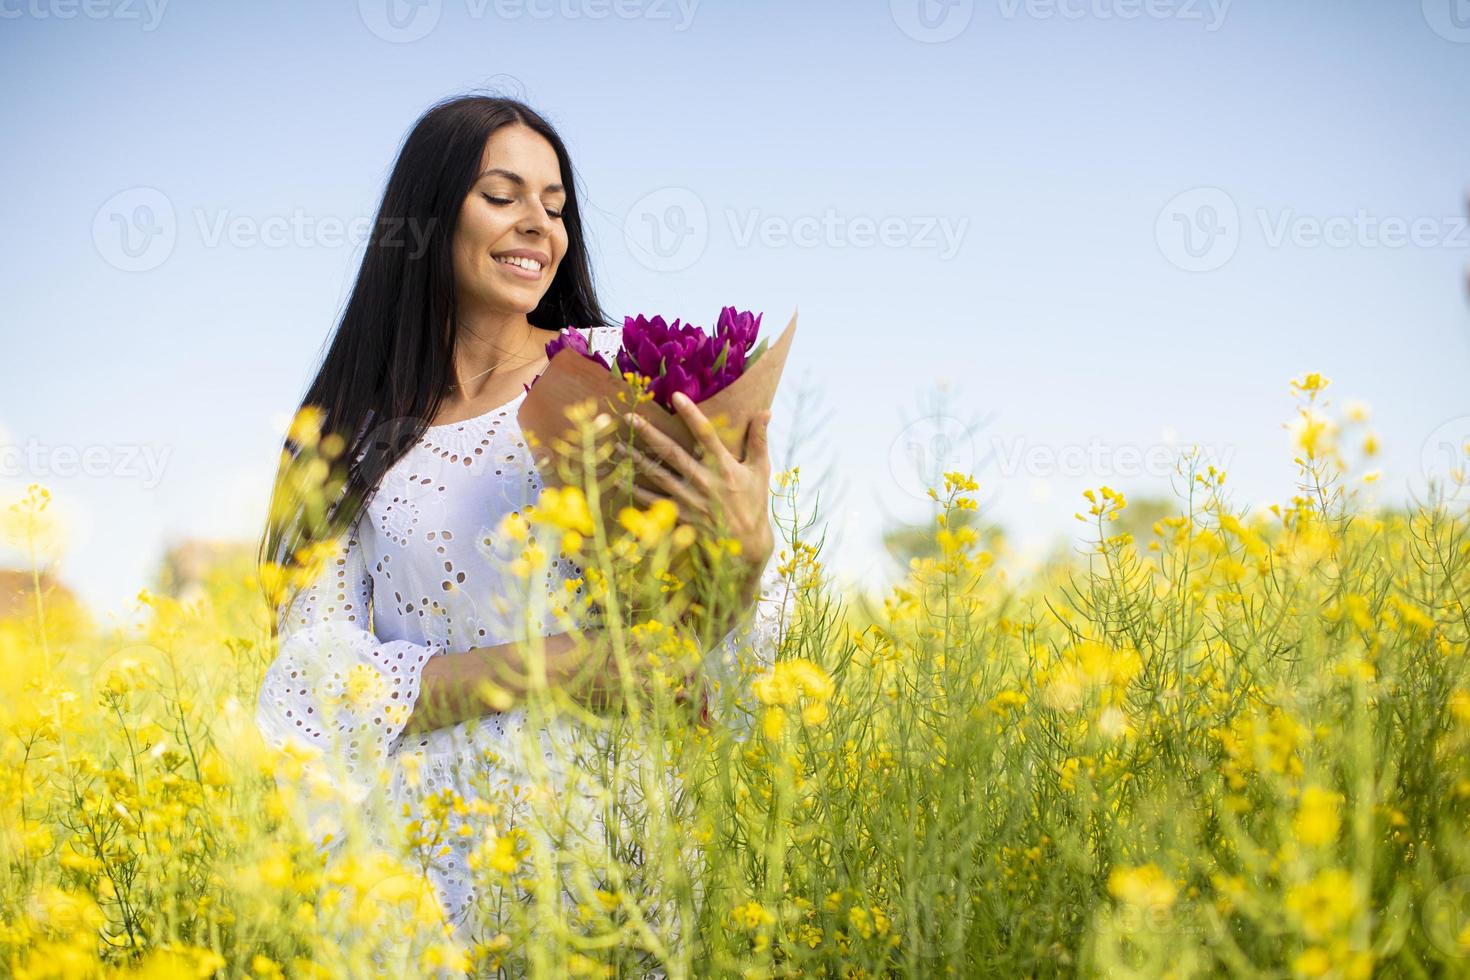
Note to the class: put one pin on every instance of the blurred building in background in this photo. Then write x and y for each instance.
(17, 591)
(186, 567)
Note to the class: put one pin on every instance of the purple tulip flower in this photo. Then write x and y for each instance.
(674, 357)
(570, 337)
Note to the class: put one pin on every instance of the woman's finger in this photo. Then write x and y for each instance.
(757, 444)
(670, 453)
(704, 431)
(670, 482)
(646, 498)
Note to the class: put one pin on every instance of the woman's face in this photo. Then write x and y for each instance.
(513, 208)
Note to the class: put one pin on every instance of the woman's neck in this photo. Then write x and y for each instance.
(491, 346)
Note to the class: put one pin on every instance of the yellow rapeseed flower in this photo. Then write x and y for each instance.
(1310, 385)
(651, 525)
(1143, 887)
(306, 426)
(564, 508)
(1317, 820)
(751, 915)
(790, 680)
(1324, 905)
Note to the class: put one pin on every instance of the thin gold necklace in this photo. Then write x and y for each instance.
(468, 380)
(461, 384)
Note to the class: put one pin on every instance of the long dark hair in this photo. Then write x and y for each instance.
(385, 369)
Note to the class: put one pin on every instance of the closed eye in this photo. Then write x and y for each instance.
(505, 200)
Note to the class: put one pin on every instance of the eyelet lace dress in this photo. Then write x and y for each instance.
(418, 575)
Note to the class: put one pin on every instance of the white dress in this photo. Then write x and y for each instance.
(420, 574)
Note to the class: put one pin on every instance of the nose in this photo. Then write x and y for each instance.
(535, 222)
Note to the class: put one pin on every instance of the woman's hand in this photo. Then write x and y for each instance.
(605, 687)
(736, 490)
(714, 485)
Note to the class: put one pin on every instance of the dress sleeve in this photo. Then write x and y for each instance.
(605, 340)
(335, 691)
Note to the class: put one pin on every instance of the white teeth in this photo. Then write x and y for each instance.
(530, 264)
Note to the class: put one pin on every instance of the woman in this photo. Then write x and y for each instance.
(478, 260)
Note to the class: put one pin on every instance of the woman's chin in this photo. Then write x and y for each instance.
(521, 301)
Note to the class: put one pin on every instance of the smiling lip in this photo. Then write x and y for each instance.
(523, 253)
(516, 270)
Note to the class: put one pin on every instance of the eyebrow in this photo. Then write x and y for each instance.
(516, 178)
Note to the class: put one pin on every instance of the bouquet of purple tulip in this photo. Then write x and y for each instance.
(674, 358)
(727, 374)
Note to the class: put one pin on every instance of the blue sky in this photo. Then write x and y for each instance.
(1096, 230)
